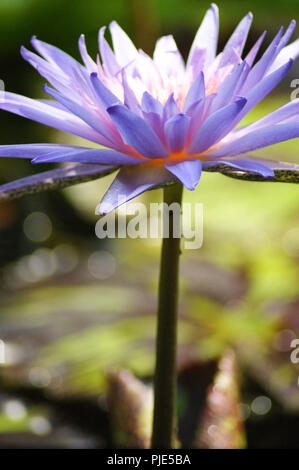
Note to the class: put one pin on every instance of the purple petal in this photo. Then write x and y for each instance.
(50, 116)
(57, 57)
(250, 58)
(81, 155)
(227, 89)
(124, 49)
(237, 40)
(287, 36)
(196, 93)
(176, 132)
(207, 36)
(130, 183)
(136, 132)
(167, 57)
(242, 80)
(107, 98)
(216, 127)
(208, 105)
(151, 105)
(289, 52)
(62, 64)
(34, 150)
(54, 179)
(261, 67)
(197, 63)
(262, 89)
(93, 121)
(130, 99)
(50, 72)
(156, 123)
(196, 114)
(43, 66)
(247, 165)
(110, 63)
(88, 62)
(61, 70)
(170, 108)
(258, 138)
(286, 112)
(188, 172)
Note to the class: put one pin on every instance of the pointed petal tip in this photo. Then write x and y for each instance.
(190, 186)
(113, 24)
(24, 52)
(101, 33)
(104, 208)
(98, 210)
(263, 35)
(187, 172)
(290, 63)
(33, 40)
(46, 89)
(214, 8)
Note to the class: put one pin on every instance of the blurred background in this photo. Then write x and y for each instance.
(77, 314)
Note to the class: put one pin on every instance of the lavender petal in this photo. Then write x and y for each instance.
(176, 132)
(289, 52)
(50, 116)
(196, 92)
(262, 89)
(188, 172)
(124, 49)
(110, 64)
(170, 108)
(250, 58)
(237, 40)
(107, 98)
(89, 63)
(207, 36)
(151, 105)
(95, 156)
(259, 70)
(130, 183)
(216, 127)
(137, 133)
(35, 150)
(258, 138)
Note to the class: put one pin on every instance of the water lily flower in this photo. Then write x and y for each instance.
(157, 119)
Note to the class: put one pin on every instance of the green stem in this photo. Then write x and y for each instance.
(166, 343)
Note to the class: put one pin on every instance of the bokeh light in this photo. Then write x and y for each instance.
(37, 227)
(101, 264)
